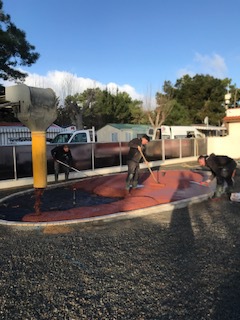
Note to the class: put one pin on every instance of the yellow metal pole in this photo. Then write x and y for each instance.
(39, 159)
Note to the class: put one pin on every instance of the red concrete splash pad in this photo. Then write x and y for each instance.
(173, 186)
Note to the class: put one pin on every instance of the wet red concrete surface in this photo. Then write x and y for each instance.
(173, 186)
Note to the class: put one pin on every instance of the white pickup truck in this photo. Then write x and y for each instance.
(83, 147)
(78, 136)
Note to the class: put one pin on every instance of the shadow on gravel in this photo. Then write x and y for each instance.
(203, 249)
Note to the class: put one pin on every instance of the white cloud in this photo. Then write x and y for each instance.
(213, 65)
(182, 72)
(64, 83)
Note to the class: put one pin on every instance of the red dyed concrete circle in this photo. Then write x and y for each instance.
(174, 185)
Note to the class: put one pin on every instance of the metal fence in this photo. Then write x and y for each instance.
(16, 160)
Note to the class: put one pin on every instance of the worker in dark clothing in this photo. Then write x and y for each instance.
(223, 169)
(133, 159)
(61, 154)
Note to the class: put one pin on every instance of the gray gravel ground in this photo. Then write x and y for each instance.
(183, 264)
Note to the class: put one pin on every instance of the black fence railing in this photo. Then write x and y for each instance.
(16, 161)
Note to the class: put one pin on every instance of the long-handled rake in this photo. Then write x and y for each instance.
(70, 167)
(150, 170)
(66, 165)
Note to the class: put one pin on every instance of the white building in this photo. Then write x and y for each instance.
(114, 132)
(229, 145)
(17, 133)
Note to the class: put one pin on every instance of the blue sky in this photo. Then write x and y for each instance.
(133, 44)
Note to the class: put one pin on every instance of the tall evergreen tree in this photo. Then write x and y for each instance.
(15, 50)
(202, 95)
(96, 107)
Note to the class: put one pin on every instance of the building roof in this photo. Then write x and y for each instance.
(125, 126)
(208, 127)
(231, 119)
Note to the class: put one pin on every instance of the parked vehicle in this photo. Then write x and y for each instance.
(83, 142)
(175, 132)
(167, 141)
(75, 136)
(182, 132)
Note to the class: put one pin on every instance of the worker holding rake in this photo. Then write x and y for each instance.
(62, 157)
(135, 155)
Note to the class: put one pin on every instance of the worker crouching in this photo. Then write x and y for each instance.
(223, 168)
